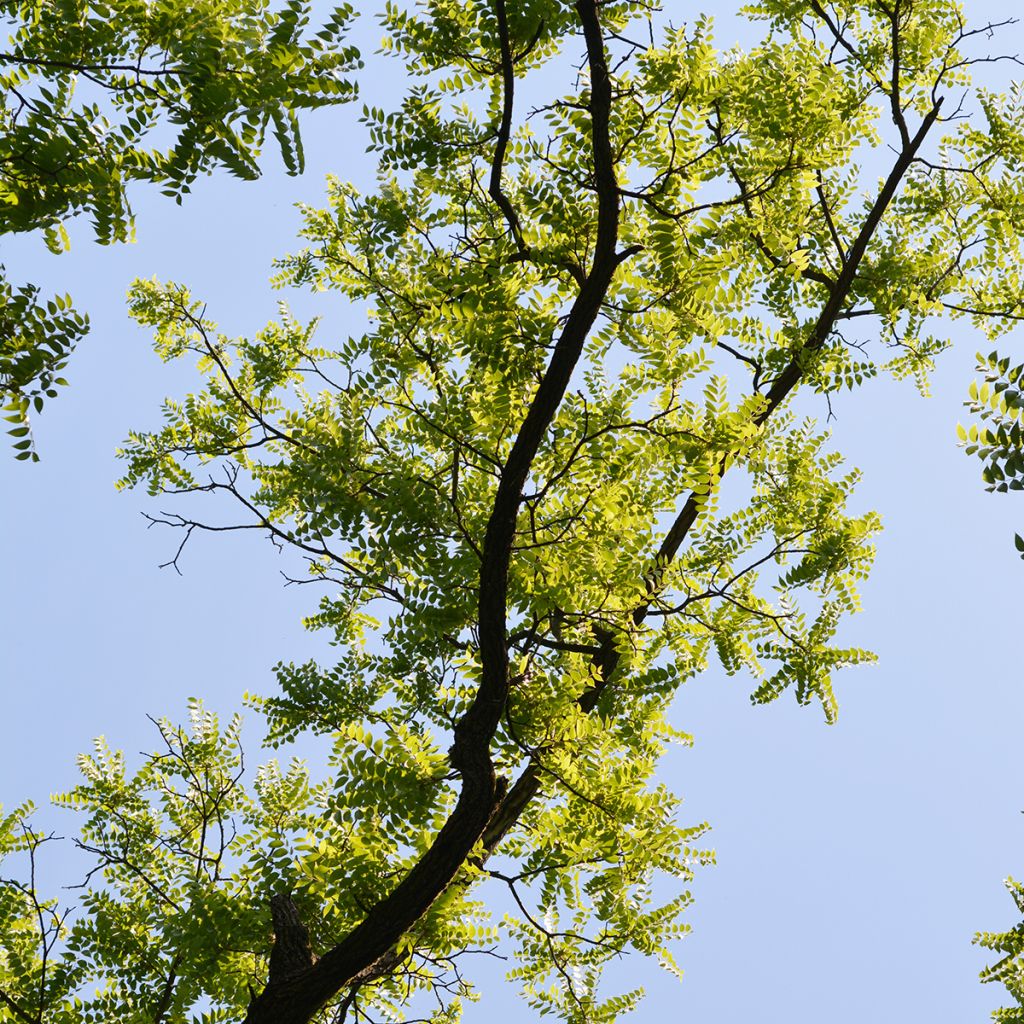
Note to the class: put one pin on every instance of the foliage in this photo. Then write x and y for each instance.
(1009, 969)
(35, 342)
(555, 472)
(996, 439)
(97, 95)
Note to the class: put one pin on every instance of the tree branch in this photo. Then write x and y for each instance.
(296, 1000)
(606, 661)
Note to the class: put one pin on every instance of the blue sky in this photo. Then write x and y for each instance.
(854, 861)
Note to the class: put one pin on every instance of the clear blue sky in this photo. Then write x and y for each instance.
(854, 861)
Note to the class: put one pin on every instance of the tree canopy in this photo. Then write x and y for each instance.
(97, 96)
(563, 466)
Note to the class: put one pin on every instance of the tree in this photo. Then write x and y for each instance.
(996, 439)
(97, 96)
(510, 485)
(1008, 970)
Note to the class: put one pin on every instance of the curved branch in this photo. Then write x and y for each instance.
(508, 79)
(606, 660)
(297, 999)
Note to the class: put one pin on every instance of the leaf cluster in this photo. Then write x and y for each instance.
(99, 95)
